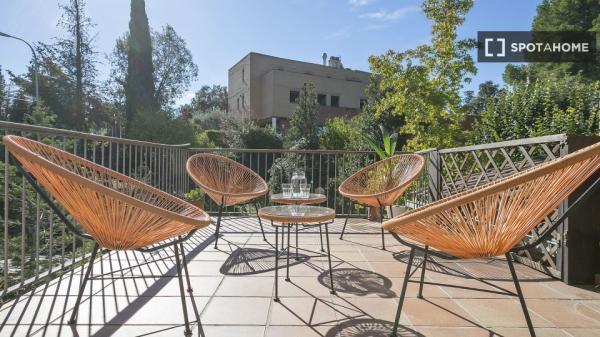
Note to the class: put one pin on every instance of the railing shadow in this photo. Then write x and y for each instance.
(358, 282)
(45, 310)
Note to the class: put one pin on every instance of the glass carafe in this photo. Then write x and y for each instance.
(298, 178)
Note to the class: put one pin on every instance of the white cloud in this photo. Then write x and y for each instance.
(338, 34)
(359, 3)
(387, 15)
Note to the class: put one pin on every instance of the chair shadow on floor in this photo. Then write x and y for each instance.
(358, 282)
(482, 270)
(252, 261)
(368, 327)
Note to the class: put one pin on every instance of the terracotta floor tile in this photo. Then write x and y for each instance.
(500, 313)
(237, 311)
(302, 311)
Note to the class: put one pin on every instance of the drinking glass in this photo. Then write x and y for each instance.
(305, 191)
(286, 189)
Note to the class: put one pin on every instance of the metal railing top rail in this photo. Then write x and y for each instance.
(4, 125)
(316, 151)
(508, 143)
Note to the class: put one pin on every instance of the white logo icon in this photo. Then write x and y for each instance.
(503, 44)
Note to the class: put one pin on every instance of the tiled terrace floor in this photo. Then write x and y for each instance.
(234, 290)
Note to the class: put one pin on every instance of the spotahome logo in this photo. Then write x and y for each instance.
(536, 47)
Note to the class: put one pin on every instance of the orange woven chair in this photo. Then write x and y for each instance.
(381, 184)
(115, 211)
(226, 182)
(493, 219)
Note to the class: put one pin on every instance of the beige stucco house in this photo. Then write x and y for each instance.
(264, 88)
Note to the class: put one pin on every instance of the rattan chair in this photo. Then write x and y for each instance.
(115, 211)
(492, 220)
(381, 184)
(226, 182)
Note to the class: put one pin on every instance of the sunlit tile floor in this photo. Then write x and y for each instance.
(234, 290)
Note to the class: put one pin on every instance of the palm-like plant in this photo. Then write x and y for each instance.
(389, 139)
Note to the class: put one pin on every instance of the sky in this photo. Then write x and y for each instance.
(220, 32)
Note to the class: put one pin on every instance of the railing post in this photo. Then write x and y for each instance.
(434, 173)
(580, 237)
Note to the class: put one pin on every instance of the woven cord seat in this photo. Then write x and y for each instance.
(117, 212)
(226, 182)
(381, 184)
(493, 219)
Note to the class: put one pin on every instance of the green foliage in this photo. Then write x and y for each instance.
(174, 67)
(209, 99)
(336, 134)
(203, 141)
(141, 103)
(253, 136)
(567, 15)
(389, 141)
(159, 127)
(210, 120)
(40, 115)
(422, 85)
(303, 124)
(194, 195)
(566, 105)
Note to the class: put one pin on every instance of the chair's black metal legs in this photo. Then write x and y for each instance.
(329, 258)
(381, 209)
(188, 331)
(260, 221)
(520, 294)
(403, 292)
(218, 224)
(191, 291)
(276, 262)
(73, 319)
(423, 267)
(346, 221)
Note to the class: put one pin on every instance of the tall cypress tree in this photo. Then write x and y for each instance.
(139, 87)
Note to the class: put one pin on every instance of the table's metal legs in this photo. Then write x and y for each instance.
(321, 237)
(287, 267)
(276, 262)
(297, 257)
(329, 258)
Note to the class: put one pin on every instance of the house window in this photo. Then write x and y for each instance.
(363, 102)
(322, 99)
(238, 103)
(243, 101)
(335, 101)
(294, 96)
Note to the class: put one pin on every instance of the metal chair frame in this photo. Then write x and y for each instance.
(426, 252)
(176, 243)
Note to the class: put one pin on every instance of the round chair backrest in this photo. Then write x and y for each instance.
(490, 220)
(382, 183)
(117, 211)
(225, 181)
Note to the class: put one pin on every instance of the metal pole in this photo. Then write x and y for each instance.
(35, 62)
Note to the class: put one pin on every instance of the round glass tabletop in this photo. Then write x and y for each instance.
(300, 214)
(313, 198)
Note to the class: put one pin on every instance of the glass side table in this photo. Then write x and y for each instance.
(313, 199)
(286, 216)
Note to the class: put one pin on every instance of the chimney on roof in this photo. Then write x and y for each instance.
(324, 59)
(336, 62)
